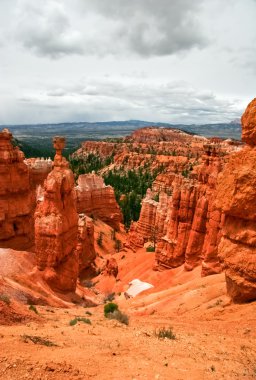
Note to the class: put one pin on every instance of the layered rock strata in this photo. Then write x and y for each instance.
(56, 226)
(16, 215)
(150, 226)
(193, 223)
(96, 199)
(185, 223)
(236, 197)
(85, 244)
(39, 169)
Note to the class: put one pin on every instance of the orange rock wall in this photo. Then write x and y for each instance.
(39, 169)
(186, 223)
(97, 199)
(16, 215)
(194, 224)
(150, 226)
(85, 245)
(236, 197)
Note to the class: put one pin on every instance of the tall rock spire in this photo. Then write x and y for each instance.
(56, 225)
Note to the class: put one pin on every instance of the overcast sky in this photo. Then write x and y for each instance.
(176, 61)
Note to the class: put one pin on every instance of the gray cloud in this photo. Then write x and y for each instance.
(145, 27)
(150, 27)
(44, 27)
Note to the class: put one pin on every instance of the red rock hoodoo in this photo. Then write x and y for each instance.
(97, 199)
(56, 226)
(85, 245)
(16, 215)
(236, 197)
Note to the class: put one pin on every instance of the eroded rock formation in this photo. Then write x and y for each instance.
(236, 196)
(150, 226)
(185, 223)
(16, 216)
(56, 226)
(85, 245)
(193, 222)
(97, 199)
(157, 148)
(39, 169)
(172, 247)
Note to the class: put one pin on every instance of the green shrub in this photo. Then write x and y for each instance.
(185, 173)
(110, 308)
(84, 320)
(5, 298)
(156, 197)
(119, 316)
(33, 308)
(165, 333)
(74, 321)
(150, 248)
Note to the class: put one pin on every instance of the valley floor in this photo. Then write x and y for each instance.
(216, 341)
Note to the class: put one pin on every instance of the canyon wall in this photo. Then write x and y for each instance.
(101, 148)
(16, 197)
(236, 197)
(193, 224)
(185, 222)
(39, 169)
(167, 149)
(96, 199)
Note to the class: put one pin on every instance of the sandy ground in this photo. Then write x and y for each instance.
(213, 341)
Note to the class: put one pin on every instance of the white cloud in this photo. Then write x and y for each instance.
(148, 50)
(104, 98)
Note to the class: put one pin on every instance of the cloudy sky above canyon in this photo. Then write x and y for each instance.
(95, 60)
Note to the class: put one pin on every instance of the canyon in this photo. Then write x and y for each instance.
(65, 249)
